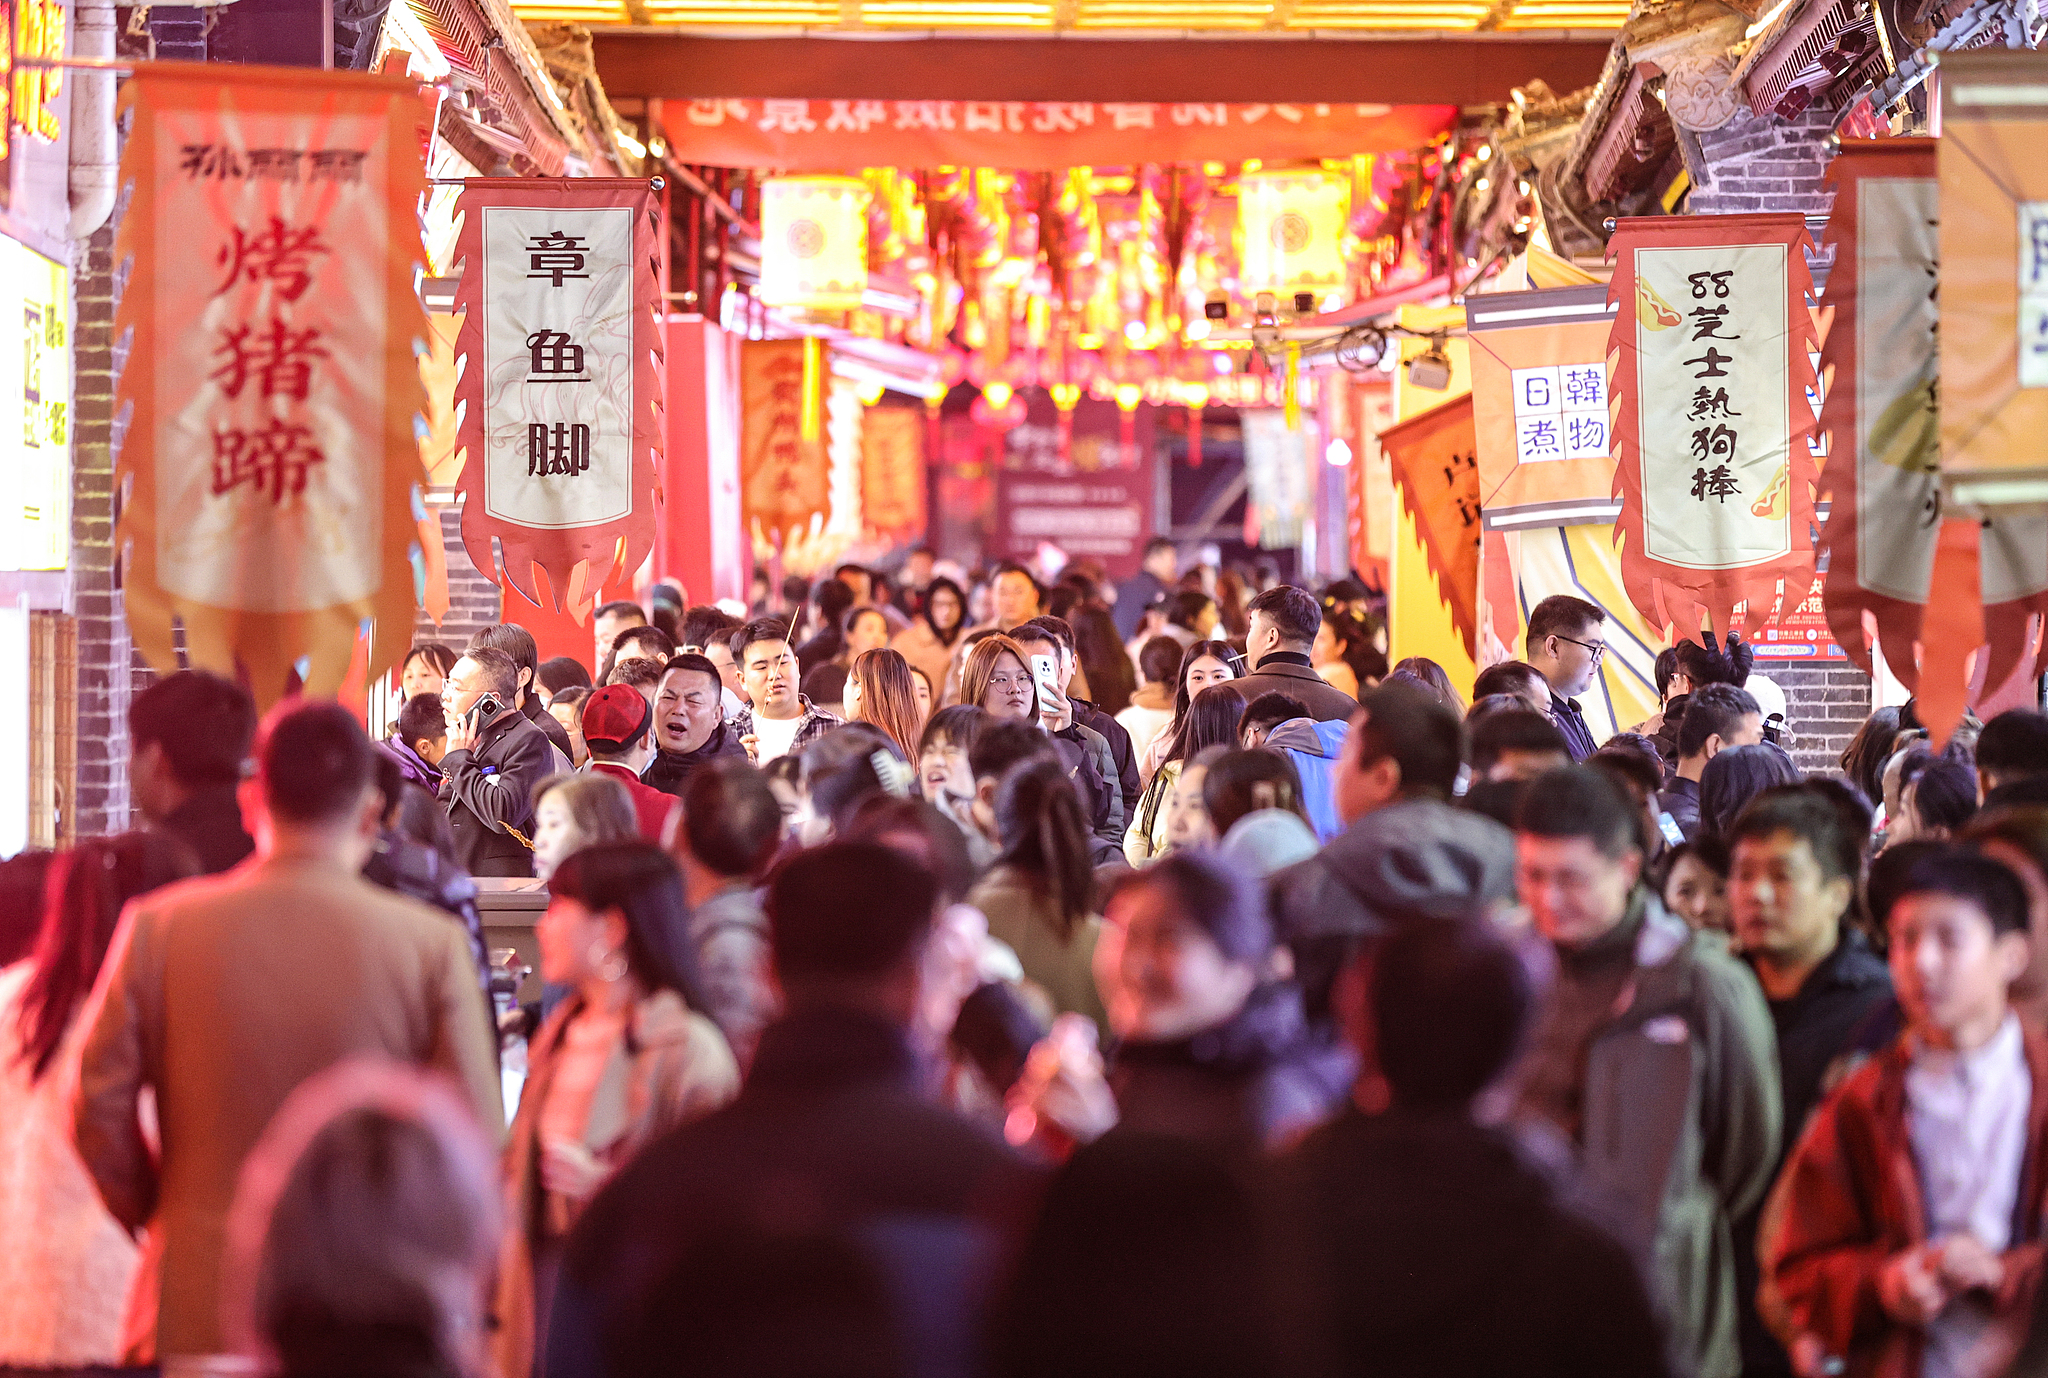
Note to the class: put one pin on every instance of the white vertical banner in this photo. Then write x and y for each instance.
(272, 245)
(560, 394)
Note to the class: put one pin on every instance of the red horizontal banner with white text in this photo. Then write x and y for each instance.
(814, 135)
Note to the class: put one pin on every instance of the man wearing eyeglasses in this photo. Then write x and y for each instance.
(1566, 642)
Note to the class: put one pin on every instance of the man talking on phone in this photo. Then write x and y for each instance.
(494, 759)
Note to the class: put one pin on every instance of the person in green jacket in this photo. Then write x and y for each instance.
(1654, 1059)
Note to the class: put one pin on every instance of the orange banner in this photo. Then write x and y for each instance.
(783, 475)
(1435, 458)
(561, 388)
(1539, 392)
(1994, 277)
(272, 241)
(1710, 375)
(892, 470)
(833, 135)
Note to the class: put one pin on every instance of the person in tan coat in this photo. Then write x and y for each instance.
(626, 1057)
(221, 995)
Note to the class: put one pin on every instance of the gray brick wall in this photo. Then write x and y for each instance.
(473, 601)
(1762, 164)
(1826, 704)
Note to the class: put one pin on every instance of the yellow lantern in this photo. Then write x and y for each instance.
(1292, 227)
(814, 242)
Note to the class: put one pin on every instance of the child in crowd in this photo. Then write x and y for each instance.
(419, 739)
(1903, 1237)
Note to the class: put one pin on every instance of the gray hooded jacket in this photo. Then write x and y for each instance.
(1418, 857)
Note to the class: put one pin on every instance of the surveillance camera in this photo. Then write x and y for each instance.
(1304, 303)
(1217, 307)
(1431, 370)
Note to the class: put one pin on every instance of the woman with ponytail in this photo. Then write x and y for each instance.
(1040, 895)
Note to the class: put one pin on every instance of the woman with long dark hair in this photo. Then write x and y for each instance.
(626, 1057)
(1112, 679)
(929, 641)
(67, 1266)
(1210, 720)
(1738, 774)
(1203, 664)
(1040, 896)
(879, 690)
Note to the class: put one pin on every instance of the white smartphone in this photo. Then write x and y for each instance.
(1046, 672)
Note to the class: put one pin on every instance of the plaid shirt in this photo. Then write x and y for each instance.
(815, 724)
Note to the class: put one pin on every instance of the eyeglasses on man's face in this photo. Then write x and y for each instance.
(1596, 649)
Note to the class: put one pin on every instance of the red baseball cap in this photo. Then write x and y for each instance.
(615, 718)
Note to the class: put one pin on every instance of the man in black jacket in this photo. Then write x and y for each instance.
(518, 643)
(1284, 623)
(191, 735)
(1795, 863)
(495, 758)
(830, 1174)
(689, 723)
(1416, 1241)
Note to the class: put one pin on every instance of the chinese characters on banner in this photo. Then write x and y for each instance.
(785, 493)
(1436, 465)
(1990, 573)
(1710, 377)
(271, 246)
(561, 387)
(892, 469)
(1883, 471)
(1539, 398)
(832, 135)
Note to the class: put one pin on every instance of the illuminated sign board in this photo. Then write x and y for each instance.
(35, 385)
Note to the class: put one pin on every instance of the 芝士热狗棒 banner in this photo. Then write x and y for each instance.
(561, 389)
(271, 245)
(1710, 377)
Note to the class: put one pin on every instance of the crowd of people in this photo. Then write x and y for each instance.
(954, 977)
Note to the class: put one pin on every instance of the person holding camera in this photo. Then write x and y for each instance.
(494, 759)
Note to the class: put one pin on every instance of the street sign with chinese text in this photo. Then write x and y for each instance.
(35, 381)
(1710, 376)
(560, 394)
(1540, 407)
(273, 239)
(831, 135)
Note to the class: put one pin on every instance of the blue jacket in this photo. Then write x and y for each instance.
(1314, 748)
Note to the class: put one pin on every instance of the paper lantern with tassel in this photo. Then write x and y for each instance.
(1292, 229)
(814, 242)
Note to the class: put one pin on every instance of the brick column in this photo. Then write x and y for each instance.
(107, 665)
(473, 601)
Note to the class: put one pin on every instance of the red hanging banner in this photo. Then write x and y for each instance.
(833, 135)
(270, 249)
(1882, 474)
(1710, 371)
(561, 388)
